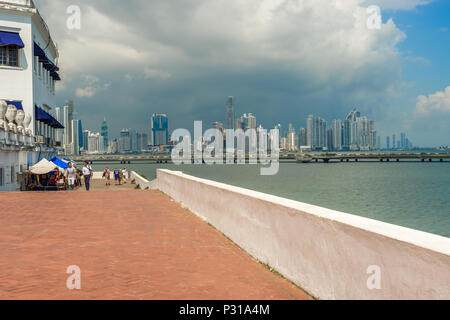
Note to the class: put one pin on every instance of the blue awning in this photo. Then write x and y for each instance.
(60, 163)
(10, 39)
(47, 63)
(17, 104)
(46, 118)
(38, 52)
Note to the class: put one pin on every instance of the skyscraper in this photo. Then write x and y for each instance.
(86, 140)
(125, 141)
(337, 134)
(59, 132)
(159, 130)
(388, 143)
(230, 113)
(75, 137)
(247, 121)
(316, 131)
(80, 135)
(104, 133)
(302, 138)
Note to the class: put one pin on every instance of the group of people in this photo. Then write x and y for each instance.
(74, 176)
(120, 176)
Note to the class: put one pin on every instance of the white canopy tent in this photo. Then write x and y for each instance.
(43, 167)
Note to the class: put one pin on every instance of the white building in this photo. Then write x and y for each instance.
(28, 71)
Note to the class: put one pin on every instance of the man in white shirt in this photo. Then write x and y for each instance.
(87, 173)
(71, 175)
(125, 175)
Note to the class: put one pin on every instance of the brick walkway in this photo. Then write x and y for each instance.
(129, 245)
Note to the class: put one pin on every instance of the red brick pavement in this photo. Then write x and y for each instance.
(129, 245)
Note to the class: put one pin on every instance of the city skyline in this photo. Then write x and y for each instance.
(396, 75)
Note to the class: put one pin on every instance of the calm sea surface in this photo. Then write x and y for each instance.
(410, 194)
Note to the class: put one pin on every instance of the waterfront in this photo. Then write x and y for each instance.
(409, 194)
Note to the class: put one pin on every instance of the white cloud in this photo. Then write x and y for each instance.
(85, 92)
(438, 102)
(398, 4)
(92, 86)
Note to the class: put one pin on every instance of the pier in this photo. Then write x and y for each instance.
(284, 157)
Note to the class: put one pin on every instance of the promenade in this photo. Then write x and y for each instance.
(129, 244)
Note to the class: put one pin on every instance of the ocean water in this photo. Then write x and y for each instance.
(409, 194)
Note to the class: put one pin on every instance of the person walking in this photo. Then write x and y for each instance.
(71, 174)
(125, 175)
(116, 176)
(120, 177)
(107, 176)
(87, 173)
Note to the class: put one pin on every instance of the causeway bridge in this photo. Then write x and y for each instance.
(313, 157)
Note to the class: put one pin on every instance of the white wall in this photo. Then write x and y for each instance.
(323, 251)
(8, 159)
(16, 83)
(22, 83)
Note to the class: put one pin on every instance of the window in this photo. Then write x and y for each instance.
(9, 56)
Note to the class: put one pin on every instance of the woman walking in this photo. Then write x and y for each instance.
(107, 176)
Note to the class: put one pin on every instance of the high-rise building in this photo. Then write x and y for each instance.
(144, 141)
(337, 134)
(302, 138)
(291, 139)
(248, 121)
(403, 140)
(388, 143)
(75, 137)
(80, 135)
(230, 113)
(93, 143)
(59, 132)
(393, 142)
(70, 110)
(125, 141)
(85, 140)
(316, 131)
(134, 141)
(104, 133)
(310, 130)
(159, 130)
(330, 139)
(113, 146)
(346, 135)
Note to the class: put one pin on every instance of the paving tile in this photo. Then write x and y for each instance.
(129, 244)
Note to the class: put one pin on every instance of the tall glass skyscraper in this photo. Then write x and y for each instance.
(230, 113)
(104, 133)
(159, 130)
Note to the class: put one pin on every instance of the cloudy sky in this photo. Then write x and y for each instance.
(281, 59)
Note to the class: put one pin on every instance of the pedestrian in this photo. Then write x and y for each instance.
(120, 177)
(125, 175)
(87, 173)
(71, 174)
(107, 176)
(116, 176)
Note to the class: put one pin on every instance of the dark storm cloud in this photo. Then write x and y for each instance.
(282, 60)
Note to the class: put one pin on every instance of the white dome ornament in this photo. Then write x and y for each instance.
(20, 117)
(11, 113)
(3, 108)
(26, 124)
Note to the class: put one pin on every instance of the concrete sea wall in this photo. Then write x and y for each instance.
(330, 254)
